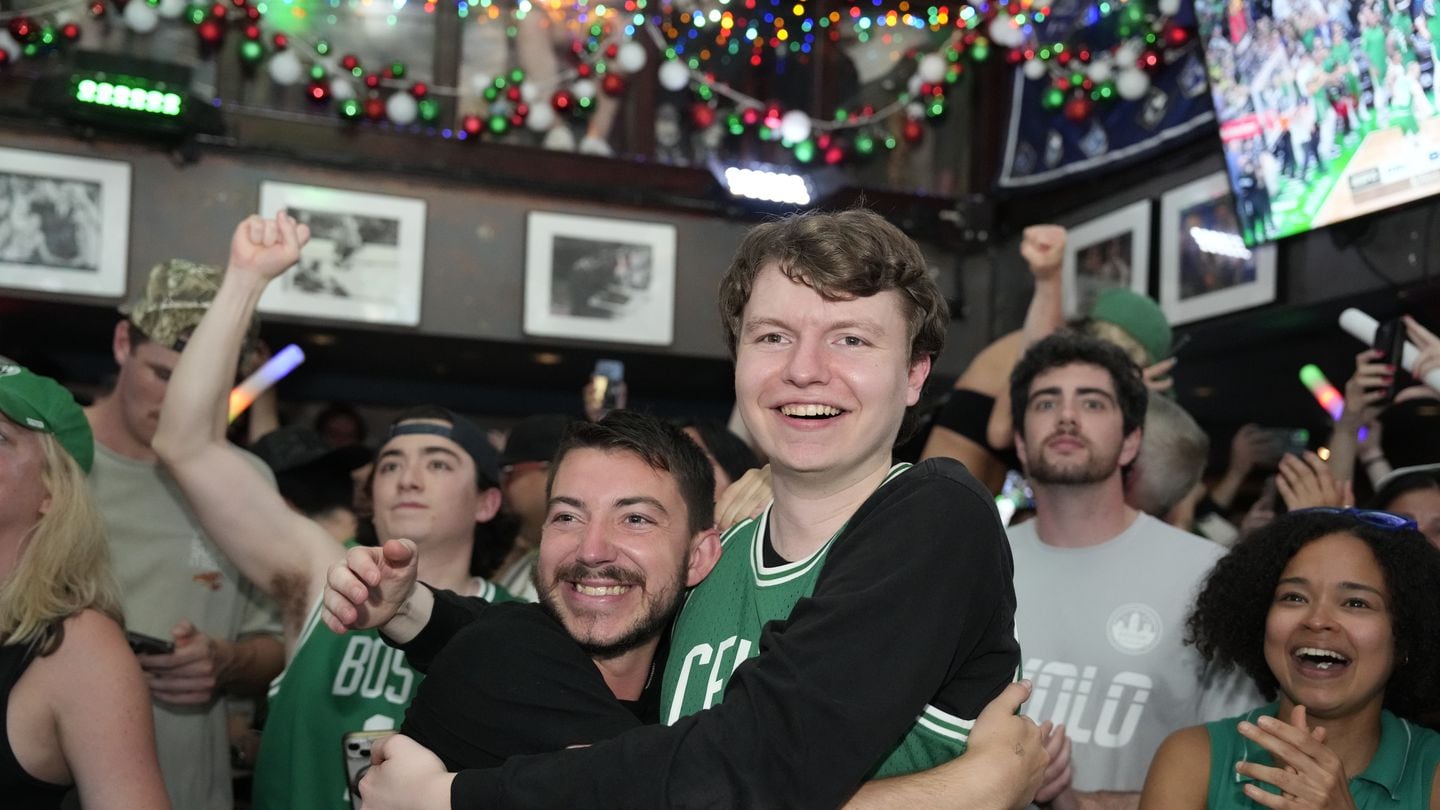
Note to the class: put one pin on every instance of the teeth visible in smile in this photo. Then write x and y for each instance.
(809, 409)
(1321, 658)
(607, 590)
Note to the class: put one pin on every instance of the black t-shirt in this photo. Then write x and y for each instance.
(514, 682)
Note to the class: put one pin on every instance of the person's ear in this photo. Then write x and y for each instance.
(489, 505)
(120, 343)
(704, 553)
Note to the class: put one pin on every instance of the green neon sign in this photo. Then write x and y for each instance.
(121, 96)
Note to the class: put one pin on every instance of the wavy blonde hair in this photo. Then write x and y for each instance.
(64, 562)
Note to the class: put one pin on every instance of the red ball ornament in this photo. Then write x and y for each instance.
(70, 31)
(4, 58)
(372, 81)
(97, 9)
(22, 29)
(211, 32)
(349, 61)
(513, 93)
(522, 109)
(611, 51)
(585, 70)
(472, 124)
(702, 115)
(219, 11)
(867, 111)
(1013, 57)
(1077, 109)
(319, 92)
(516, 119)
(751, 116)
(834, 155)
(1175, 35)
(374, 108)
(823, 141)
(563, 101)
(281, 42)
(252, 14)
(1150, 60)
(913, 131)
(252, 31)
(612, 84)
(1064, 58)
(419, 90)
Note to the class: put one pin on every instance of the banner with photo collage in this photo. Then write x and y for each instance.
(1044, 147)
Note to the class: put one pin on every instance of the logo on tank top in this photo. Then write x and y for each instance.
(1134, 628)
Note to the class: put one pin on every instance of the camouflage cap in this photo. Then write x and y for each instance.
(176, 296)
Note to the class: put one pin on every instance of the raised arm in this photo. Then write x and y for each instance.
(274, 547)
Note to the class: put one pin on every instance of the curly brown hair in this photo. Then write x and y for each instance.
(1227, 625)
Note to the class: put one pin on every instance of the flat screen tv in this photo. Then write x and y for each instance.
(1328, 109)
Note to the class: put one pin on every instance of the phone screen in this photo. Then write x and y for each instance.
(1390, 339)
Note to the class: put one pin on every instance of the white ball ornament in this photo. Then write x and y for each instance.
(631, 57)
(912, 86)
(541, 118)
(1035, 69)
(284, 67)
(584, 88)
(1100, 71)
(171, 9)
(1005, 33)
(529, 93)
(8, 44)
(401, 108)
(140, 17)
(1131, 83)
(480, 82)
(795, 126)
(932, 68)
(674, 75)
(341, 90)
(1169, 7)
(915, 110)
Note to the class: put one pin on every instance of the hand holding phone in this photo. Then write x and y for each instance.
(142, 644)
(1390, 342)
(355, 747)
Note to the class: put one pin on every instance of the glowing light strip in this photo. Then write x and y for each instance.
(244, 394)
(1326, 394)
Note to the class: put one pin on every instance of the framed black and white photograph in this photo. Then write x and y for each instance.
(1205, 267)
(364, 261)
(1109, 251)
(599, 279)
(64, 223)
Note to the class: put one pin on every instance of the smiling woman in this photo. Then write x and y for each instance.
(1329, 611)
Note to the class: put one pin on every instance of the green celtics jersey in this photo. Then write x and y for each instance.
(1372, 41)
(334, 685)
(720, 625)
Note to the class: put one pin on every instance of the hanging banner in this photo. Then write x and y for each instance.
(1045, 145)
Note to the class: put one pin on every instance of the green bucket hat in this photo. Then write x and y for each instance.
(40, 403)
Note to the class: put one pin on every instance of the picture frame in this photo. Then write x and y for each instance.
(1205, 268)
(67, 223)
(593, 278)
(365, 259)
(1109, 251)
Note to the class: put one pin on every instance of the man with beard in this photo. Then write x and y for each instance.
(1102, 588)
(628, 528)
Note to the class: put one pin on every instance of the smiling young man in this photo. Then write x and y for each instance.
(434, 482)
(855, 629)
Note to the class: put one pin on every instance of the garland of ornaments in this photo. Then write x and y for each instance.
(605, 56)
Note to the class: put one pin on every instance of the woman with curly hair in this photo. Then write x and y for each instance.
(74, 708)
(1332, 612)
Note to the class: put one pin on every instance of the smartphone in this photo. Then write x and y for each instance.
(355, 746)
(142, 644)
(1390, 339)
(1294, 441)
(605, 385)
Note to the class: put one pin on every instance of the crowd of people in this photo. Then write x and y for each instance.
(622, 611)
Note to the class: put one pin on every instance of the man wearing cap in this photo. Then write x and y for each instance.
(175, 582)
(434, 483)
(524, 469)
(1103, 645)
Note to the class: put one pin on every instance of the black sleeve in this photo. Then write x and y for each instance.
(452, 613)
(916, 602)
(512, 682)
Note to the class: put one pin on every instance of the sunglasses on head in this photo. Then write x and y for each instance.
(1374, 517)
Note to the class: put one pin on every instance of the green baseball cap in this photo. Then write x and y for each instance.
(1139, 316)
(40, 403)
(177, 294)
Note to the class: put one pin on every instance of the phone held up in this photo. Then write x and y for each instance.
(142, 644)
(355, 746)
(605, 386)
(1390, 340)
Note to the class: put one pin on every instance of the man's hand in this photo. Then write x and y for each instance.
(404, 775)
(1157, 376)
(745, 498)
(265, 248)
(1043, 248)
(370, 586)
(1058, 772)
(1251, 447)
(1011, 746)
(1365, 388)
(1428, 344)
(189, 676)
